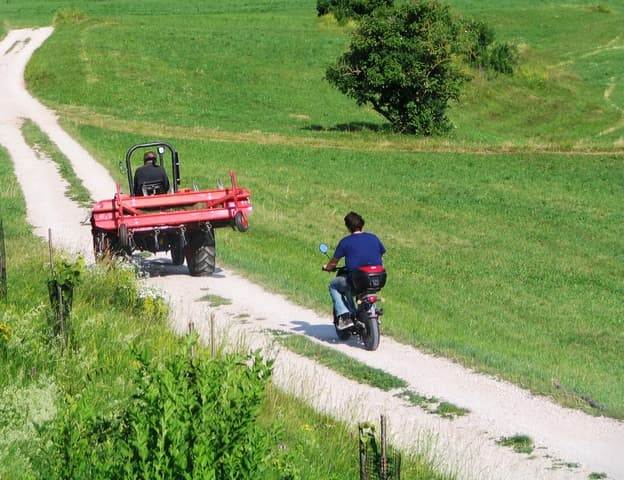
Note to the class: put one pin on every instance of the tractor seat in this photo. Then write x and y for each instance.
(153, 188)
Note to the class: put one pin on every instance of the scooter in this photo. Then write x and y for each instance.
(366, 282)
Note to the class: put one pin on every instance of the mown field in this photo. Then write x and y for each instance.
(510, 263)
(111, 326)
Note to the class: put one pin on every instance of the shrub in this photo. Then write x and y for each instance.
(476, 37)
(115, 281)
(68, 16)
(478, 47)
(63, 279)
(189, 417)
(346, 9)
(5, 334)
(400, 61)
(600, 8)
(502, 57)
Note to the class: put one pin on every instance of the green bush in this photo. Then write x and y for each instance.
(5, 335)
(115, 282)
(502, 57)
(190, 417)
(477, 45)
(401, 62)
(64, 278)
(346, 9)
(68, 16)
(476, 37)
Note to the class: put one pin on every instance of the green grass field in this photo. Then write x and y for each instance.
(510, 263)
(217, 67)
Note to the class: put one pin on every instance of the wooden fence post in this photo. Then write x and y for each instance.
(383, 467)
(3, 265)
(191, 329)
(60, 313)
(213, 345)
(363, 446)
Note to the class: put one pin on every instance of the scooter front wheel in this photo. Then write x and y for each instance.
(371, 335)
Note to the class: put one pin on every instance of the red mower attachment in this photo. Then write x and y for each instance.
(181, 221)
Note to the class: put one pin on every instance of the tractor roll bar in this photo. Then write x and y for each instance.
(175, 162)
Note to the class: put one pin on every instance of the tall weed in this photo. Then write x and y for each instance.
(189, 417)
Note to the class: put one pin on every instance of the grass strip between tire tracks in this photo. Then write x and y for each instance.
(362, 373)
(40, 142)
(341, 363)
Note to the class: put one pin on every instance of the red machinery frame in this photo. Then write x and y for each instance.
(219, 207)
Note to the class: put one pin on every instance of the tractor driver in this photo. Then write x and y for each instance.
(359, 249)
(151, 178)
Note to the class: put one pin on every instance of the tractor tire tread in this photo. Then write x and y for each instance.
(202, 261)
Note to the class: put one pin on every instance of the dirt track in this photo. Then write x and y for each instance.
(466, 444)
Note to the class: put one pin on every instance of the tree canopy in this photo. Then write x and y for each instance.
(401, 61)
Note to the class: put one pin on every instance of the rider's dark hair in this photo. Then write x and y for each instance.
(354, 222)
(149, 157)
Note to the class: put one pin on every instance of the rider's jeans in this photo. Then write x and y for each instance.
(338, 289)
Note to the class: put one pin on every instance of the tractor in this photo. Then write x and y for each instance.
(181, 221)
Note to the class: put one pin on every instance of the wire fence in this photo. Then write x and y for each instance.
(377, 461)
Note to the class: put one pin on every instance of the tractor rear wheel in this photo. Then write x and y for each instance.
(202, 261)
(201, 254)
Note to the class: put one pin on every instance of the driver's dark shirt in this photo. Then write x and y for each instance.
(150, 173)
(360, 249)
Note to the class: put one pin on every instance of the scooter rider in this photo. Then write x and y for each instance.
(359, 249)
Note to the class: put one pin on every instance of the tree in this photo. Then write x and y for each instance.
(345, 9)
(401, 62)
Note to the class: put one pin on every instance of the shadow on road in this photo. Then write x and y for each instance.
(162, 267)
(324, 333)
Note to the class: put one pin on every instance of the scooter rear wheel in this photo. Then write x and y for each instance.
(371, 336)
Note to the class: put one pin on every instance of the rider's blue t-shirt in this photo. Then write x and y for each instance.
(360, 249)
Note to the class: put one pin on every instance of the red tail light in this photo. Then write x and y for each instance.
(371, 298)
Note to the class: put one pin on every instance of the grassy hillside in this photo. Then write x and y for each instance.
(509, 263)
(217, 66)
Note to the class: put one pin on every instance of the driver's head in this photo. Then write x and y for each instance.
(354, 222)
(149, 157)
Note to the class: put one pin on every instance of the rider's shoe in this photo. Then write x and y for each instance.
(345, 321)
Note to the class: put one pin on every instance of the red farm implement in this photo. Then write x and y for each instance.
(182, 221)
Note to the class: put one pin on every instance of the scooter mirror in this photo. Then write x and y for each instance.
(323, 248)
